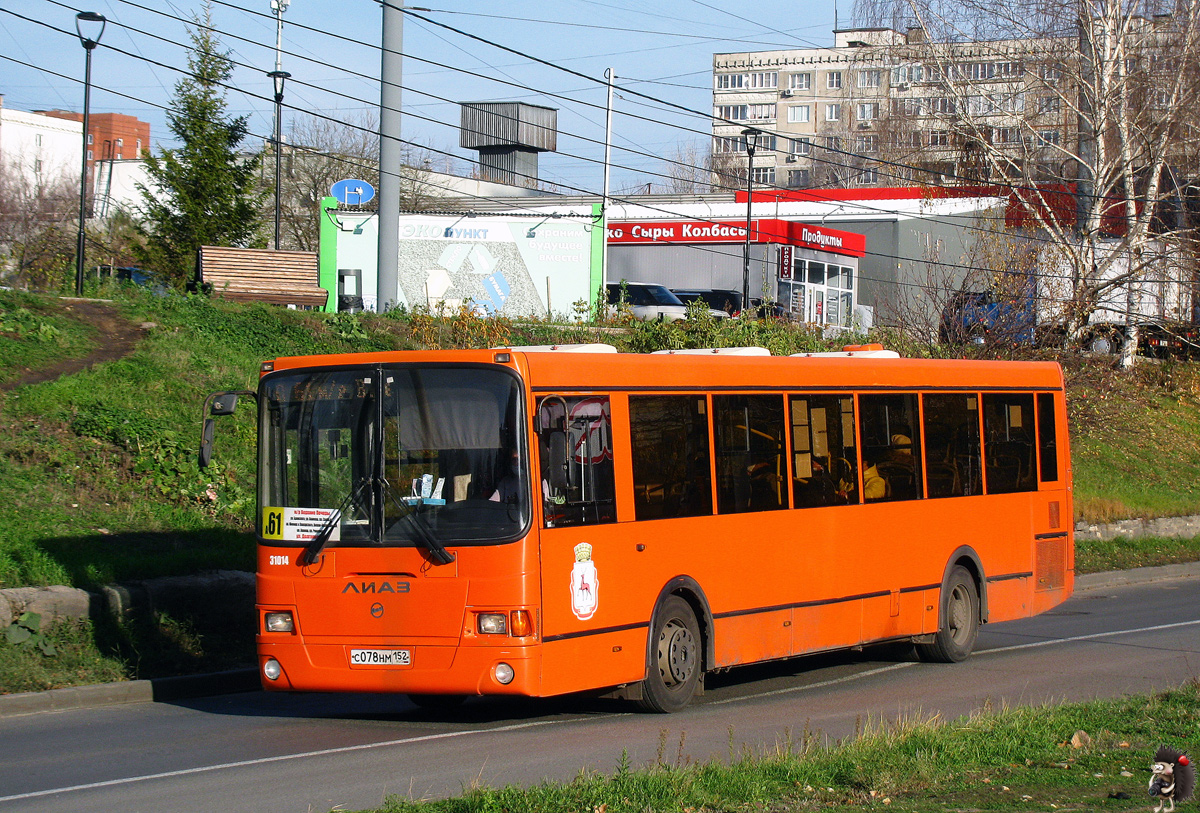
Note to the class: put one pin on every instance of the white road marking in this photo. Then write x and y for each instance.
(523, 726)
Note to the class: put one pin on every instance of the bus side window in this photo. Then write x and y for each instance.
(891, 447)
(952, 458)
(576, 456)
(1047, 438)
(1008, 442)
(824, 460)
(671, 461)
(751, 466)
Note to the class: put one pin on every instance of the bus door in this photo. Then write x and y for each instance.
(582, 558)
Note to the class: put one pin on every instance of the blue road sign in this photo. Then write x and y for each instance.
(351, 192)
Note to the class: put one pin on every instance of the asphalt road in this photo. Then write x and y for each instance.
(267, 752)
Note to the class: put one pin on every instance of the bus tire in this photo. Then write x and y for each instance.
(958, 625)
(437, 702)
(676, 654)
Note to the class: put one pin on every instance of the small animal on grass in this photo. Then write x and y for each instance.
(1173, 778)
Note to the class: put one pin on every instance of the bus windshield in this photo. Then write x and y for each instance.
(398, 455)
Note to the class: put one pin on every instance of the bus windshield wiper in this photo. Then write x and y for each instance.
(423, 534)
(317, 544)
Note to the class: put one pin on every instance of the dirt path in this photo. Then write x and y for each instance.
(116, 338)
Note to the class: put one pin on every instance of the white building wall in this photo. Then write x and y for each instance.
(116, 185)
(42, 149)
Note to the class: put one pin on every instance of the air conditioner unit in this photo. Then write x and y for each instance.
(791, 159)
(865, 125)
(787, 92)
(902, 86)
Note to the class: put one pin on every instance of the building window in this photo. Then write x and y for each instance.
(833, 80)
(764, 175)
(903, 74)
(939, 138)
(800, 81)
(867, 177)
(730, 81)
(89, 139)
(801, 146)
(139, 146)
(746, 112)
(1049, 104)
(1048, 137)
(869, 79)
(761, 112)
(1006, 135)
(89, 155)
(37, 165)
(943, 106)
(120, 142)
(867, 111)
(798, 179)
(1007, 70)
(765, 79)
(909, 106)
(799, 113)
(866, 143)
(37, 139)
(833, 112)
(1050, 73)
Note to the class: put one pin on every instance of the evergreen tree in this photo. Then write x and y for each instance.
(204, 193)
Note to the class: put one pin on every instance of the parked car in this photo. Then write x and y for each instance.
(723, 304)
(647, 301)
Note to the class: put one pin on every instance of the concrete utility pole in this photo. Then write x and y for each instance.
(391, 155)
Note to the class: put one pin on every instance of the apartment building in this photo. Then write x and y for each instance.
(887, 108)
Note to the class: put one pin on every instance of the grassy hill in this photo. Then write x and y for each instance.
(99, 466)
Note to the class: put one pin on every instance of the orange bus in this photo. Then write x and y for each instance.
(538, 521)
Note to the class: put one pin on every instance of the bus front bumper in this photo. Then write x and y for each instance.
(403, 668)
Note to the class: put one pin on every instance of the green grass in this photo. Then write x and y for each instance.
(1013, 760)
(35, 332)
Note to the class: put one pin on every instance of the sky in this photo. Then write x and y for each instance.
(454, 51)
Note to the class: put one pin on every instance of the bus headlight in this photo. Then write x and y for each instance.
(272, 670)
(504, 673)
(492, 624)
(279, 622)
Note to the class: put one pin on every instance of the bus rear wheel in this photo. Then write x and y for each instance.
(959, 620)
(675, 657)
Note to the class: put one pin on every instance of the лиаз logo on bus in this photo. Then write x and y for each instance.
(298, 524)
(585, 583)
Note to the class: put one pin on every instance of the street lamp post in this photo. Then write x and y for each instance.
(89, 43)
(750, 137)
(278, 77)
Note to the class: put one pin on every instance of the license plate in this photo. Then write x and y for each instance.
(380, 657)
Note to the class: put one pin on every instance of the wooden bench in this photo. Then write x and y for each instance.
(286, 278)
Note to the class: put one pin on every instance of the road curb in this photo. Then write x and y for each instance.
(161, 690)
(1138, 575)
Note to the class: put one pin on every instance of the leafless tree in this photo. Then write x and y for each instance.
(321, 151)
(1084, 109)
(38, 228)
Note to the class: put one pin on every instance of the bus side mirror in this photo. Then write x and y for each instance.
(206, 440)
(218, 403)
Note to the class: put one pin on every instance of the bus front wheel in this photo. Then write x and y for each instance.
(675, 658)
(958, 625)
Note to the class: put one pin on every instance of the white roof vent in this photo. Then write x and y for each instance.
(715, 351)
(596, 347)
